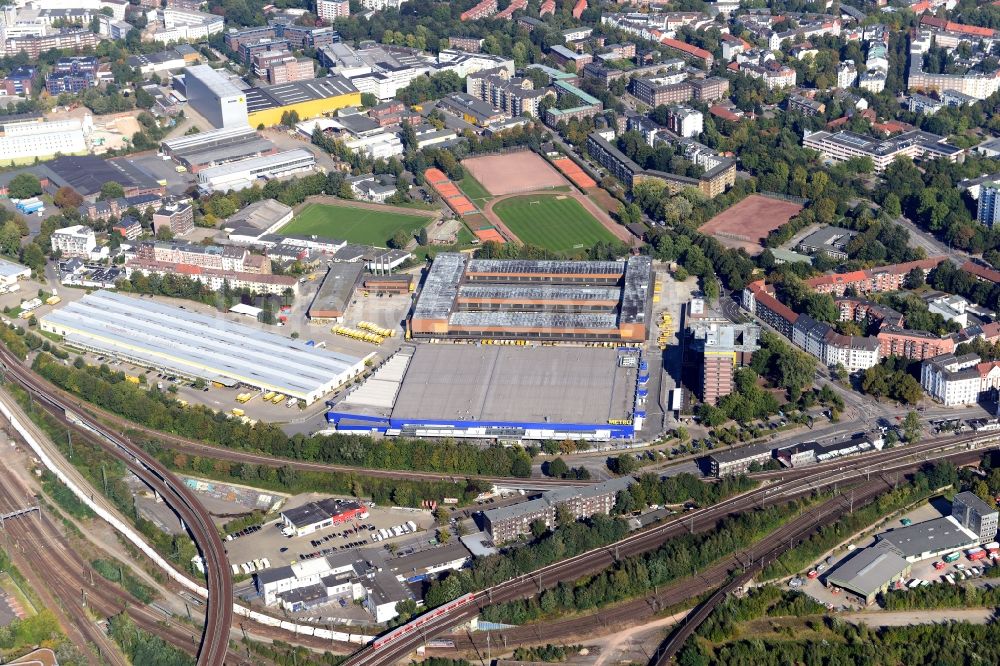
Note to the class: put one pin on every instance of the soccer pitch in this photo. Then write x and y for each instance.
(559, 224)
(355, 225)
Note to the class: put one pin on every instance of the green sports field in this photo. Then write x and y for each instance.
(355, 225)
(560, 225)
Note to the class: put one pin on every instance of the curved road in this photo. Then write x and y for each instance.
(219, 608)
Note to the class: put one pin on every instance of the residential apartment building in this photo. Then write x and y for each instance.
(689, 51)
(758, 298)
(918, 345)
(19, 81)
(958, 380)
(513, 95)
(178, 217)
(331, 10)
(883, 278)
(482, 10)
(510, 522)
(221, 257)
(75, 241)
(33, 46)
(722, 347)
(685, 121)
(774, 74)
(822, 341)
(663, 90)
(988, 209)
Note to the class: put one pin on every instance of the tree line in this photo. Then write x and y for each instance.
(157, 410)
(631, 577)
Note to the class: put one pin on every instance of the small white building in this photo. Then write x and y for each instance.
(10, 273)
(384, 592)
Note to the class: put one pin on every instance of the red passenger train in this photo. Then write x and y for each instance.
(414, 625)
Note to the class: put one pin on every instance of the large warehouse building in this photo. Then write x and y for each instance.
(309, 99)
(501, 392)
(246, 173)
(605, 301)
(207, 149)
(215, 97)
(193, 345)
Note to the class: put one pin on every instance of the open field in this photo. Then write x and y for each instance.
(749, 222)
(474, 189)
(554, 222)
(512, 173)
(367, 226)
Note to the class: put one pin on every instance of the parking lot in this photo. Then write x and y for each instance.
(269, 542)
(924, 572)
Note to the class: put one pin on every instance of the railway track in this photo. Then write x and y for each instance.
(75, 583)
(855, 470)
(214, 643)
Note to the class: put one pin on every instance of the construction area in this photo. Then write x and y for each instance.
(573, 301)
(500, 391)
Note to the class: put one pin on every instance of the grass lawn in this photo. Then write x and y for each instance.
(560, 225)
(355, 225)
(474, 189)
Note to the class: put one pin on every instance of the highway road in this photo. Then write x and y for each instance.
(219, 609)
(796, 484)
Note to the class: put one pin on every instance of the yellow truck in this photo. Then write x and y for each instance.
(52, 300)
(277, 399)
(269, 395)
(238, 412)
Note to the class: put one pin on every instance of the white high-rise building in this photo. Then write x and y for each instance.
(331, 10)
(989, 196)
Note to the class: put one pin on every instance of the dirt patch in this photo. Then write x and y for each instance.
(749, 222)
(514, 173)
(443, 232)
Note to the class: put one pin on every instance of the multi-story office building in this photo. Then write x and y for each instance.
(723, 347)
(976, 515)
(915, 144)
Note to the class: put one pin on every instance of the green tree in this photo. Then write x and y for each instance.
(911, 427)
(556, 468)
(24, 186)
(111, 190)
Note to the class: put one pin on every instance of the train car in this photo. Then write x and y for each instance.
(415, 624)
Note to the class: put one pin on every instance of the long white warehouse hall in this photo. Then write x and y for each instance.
(193, 345)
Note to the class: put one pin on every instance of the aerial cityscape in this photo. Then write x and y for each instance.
(499, 332)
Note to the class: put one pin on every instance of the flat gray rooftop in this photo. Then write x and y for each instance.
(515, 384)
(558, 321)
(931, 536)
(518, 266)
(196, 345)
(335, 292)
(539, 292)
(869, 569)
